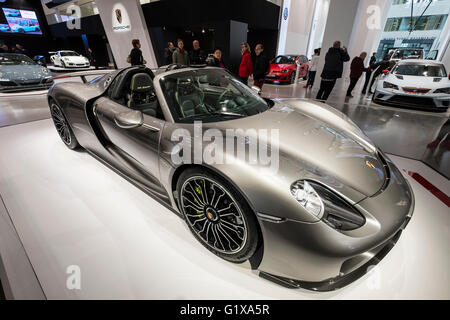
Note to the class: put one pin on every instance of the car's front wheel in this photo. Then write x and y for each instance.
(218, 215)
(62, 127)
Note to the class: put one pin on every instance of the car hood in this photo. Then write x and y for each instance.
(324, 138)
(418, 82)
(278, 67)
(23, 72)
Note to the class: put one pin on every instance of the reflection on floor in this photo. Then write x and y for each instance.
(69, 209)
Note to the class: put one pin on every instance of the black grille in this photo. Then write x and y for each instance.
(413, 101)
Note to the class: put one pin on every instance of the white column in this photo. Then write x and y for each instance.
(121, 30)
(285, 15)
(358, 25)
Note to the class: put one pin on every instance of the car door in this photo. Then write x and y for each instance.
(136, 148)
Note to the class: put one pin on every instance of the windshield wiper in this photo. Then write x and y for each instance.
(225, 113)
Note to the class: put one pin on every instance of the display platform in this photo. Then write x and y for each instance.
(71, 210)
(61, 69)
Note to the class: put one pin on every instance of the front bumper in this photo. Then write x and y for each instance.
(433, 101)
(277, 78)
(315, 256)
(21, 88)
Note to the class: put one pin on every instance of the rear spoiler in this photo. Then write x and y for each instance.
(83, 74)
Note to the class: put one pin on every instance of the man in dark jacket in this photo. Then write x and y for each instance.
(373, 60)
(168, 52)
(379, 67)
(356, 70)
(332, 70)
(136, 57)
(197, 55)
(260, 67)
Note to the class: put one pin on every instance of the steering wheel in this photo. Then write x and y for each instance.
(222, 95)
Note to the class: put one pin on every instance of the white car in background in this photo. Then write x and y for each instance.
(68, 59)
(415, 83)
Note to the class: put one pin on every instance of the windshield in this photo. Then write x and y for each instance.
(68, 53)
(15, 59)
(209, 95)
(284, 60)
(420, 70)
(404, 53)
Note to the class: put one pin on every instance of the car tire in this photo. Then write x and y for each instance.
(232, 234)
(292, 78)
(21, 30)
(62, 126)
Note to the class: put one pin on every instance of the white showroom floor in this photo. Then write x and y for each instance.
(69, 209)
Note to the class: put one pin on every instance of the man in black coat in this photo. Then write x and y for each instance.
(332, 70)
(379, 67)
(373, 60)
(260, 67)
(197, 55)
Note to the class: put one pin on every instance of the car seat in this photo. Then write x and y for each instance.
(142, 94)
(189, 98)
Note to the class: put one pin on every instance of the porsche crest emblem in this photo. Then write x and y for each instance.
(119, 15)
(369, 164)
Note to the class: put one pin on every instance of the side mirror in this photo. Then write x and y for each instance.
(385, 71)
(256, 89)
(129, 119)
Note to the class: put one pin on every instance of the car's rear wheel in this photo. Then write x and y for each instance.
(292, 78)
(218, 215)
(62, 127)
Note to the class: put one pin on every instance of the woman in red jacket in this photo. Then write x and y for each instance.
(246, 67)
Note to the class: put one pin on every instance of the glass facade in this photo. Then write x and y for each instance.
(432, 22)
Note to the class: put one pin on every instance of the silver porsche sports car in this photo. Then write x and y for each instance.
(331, 207)
(18, 72)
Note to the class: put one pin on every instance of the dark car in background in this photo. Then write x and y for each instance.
(18, 72)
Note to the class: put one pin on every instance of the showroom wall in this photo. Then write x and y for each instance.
(299, 26)
(358, 24)
(124, 21)
(257, 21)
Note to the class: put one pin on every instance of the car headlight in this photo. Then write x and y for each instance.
(305, 194)
(45, 70)
(327, 206)
(442, 90)
(388, 85)
(284, 71)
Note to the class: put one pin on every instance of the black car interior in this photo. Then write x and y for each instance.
(134, 89)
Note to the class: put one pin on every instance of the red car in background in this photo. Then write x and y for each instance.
(283, 68)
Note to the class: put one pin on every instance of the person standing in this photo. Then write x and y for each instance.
(197, 55)
(91, 58)
(4, 49)
(369, 70)
(217, 59)
(312, 69)
(136, 58)
(356, 70)
(246, 66)
(332, 70)
(261, 67)
(168, 52)
(379, 67)
(180, 56)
